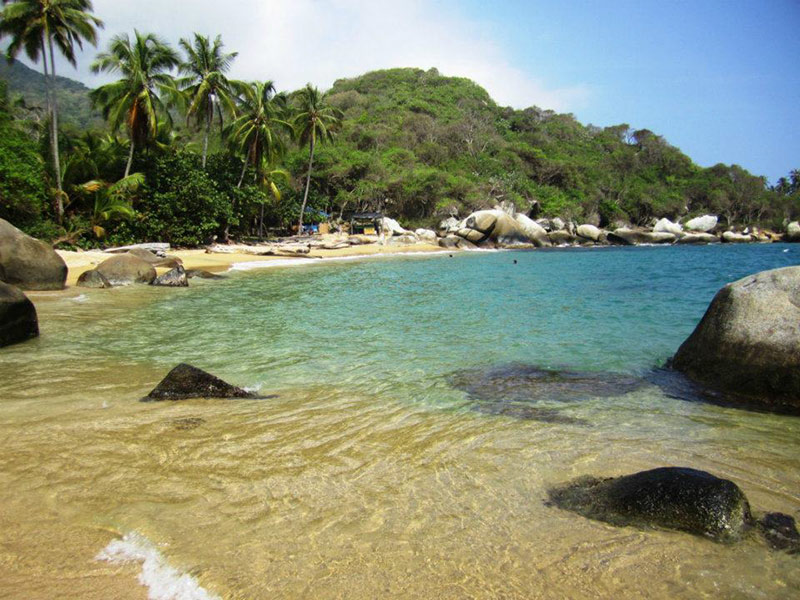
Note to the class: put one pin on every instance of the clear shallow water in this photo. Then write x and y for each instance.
(370, 475)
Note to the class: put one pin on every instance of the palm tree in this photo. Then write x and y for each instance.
(37, 26)
(136, 99)
(205, 83)
(112, 200)
(314, 120)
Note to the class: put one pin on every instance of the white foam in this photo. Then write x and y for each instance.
(81, 298)
(297, 262)
(162, 581)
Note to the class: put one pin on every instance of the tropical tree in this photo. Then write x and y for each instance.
(314, 120)
(145, 90)
(37, 26)
(112, 200)
(207, 89)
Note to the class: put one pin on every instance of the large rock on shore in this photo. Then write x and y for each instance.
(28, 263)
(186, 381)
(731, 237)
(495, 226)
(173, 278)
(157, 261)
(670, 497)
(93, 279)
(705, 223)
(125, 269)
(392, 227)
(561, 237)
(18, 321)
(590, 232)
(634, 237)
(748, 341)
(698, 238)
(793, 232)
(535, 232)
(667, 226)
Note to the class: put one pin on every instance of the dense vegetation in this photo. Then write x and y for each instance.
(155, 157)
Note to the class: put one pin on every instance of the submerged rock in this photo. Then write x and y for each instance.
(517, 382)
(93, 279)
(670, 497)
(780, 531)
(18, 320)
(191, 273)
(28, 263)
(527, 412)
(748, 342)
(186, 381)
(173, 278)
(125, 269)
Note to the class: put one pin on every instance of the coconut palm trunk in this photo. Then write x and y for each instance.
(54, 126)
(308, 184)
(130, 158)
(209, 117)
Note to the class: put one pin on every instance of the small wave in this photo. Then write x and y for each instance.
(162, 581)
(81, 298)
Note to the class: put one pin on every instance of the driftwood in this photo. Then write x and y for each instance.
(157, 248)
(288, 250)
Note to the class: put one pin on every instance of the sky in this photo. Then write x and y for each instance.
(719, 79)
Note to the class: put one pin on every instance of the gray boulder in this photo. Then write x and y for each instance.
(535, 232)
(392, 227)
(670, 497)
(450, 241)
(705, 223)
(186, 381)
(589, 232)
(125, 269)
(561, 238)
(93, 279)
(426, 235)
(698, 238)
(27, 263)
(793, 232)
(731, 237)
(407, 239)
(557, 224)
(667, 226)
(748, 342)
(191, 273)
(173, 278)
(494, 226)
(634, 237)
(449, 225)
(18, 321)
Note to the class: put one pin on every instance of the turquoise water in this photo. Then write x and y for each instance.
(371, 475)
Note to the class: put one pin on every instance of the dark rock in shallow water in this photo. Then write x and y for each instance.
(28, 263)
(780, 531)
(186, 381)
(173, 278)
(18, 320)
(191, 273)
(528, 383)
(187, 423)
(670, 497)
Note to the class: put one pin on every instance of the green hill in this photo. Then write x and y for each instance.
(421, 145)
(75, 108)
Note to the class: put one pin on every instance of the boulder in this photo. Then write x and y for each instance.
(27, 263)
(748, 342)
(450, 241)
(157, 261)
(361, 239)
(449, 225)
(173, 278)
(93, 279)
(705, 223)
(634, 237)
(534, 232)
(472, 235)
(561, 238)
(493, 225)
(557, 224)
(667, 226)
(545, 224)
(408, 239)
(793, 232)
(731, 237)
(125, 269)
(780, 531)
(18, 321)
(392, 227)
(186, 381)
(589, 232)
(463, 244)
(670, 497)
(426, 235)
(698, 238)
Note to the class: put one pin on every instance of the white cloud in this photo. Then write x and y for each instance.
(297, 41)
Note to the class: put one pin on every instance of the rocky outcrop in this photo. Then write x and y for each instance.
(27, 263)
(18, 321)
(426, 235)
(748, 342)
(698, 238)
(705, 223)
(731, 237)
(186, 381)
(557, 224)
(173, 278)
(792, 232)
(670, 497)
(125, 269)
(392, 227)
(493, 225)
(534, 232)
(634, 237)
(93, 279)
(589, 232)
(561, 238)
(448, 225)
(450, 241)
(667, 226)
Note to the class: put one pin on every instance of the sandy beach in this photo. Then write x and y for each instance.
(215, 262)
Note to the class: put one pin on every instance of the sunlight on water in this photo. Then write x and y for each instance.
(375, 473)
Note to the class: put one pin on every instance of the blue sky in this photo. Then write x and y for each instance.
(718, 79)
